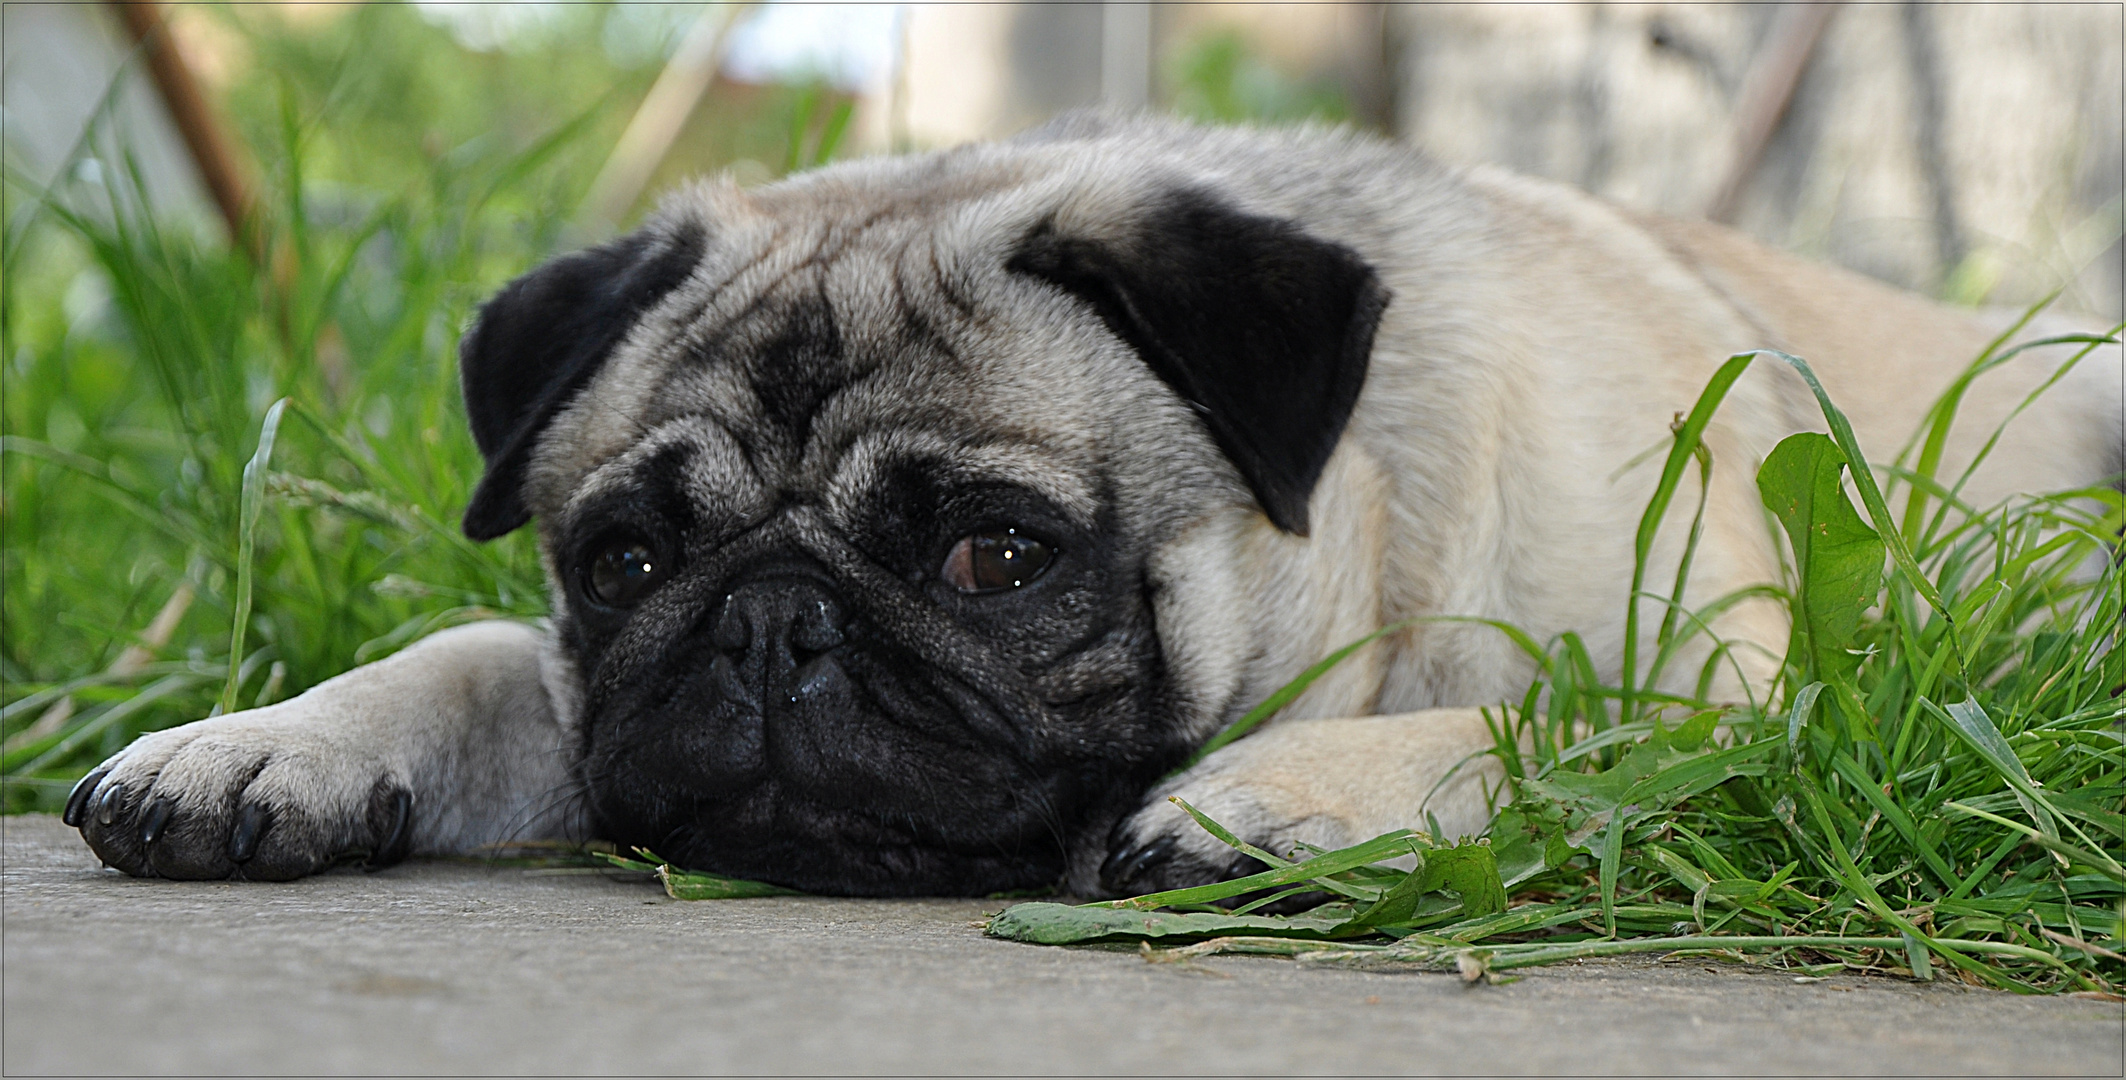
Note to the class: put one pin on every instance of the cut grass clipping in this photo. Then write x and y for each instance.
(690, 884)
(1937, 791)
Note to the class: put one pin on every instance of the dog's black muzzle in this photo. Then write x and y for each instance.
(785, 734)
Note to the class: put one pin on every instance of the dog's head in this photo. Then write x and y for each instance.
(884, 508)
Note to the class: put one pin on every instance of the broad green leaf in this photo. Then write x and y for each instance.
(1838, 559)
(1693, 733)
(1596, 794)
(1523, 918)
(1650, 776)
(1470, 870)
(1524, 847)
(1864, 482)
(1399, 902)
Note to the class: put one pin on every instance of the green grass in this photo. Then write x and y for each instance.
(1935, 787)
(1219, 78)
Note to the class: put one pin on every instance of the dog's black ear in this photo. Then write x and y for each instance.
(1264, 329)
(536, 344)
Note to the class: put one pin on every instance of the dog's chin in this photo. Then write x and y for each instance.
(825, 796)
(830, 852)
(773, 834)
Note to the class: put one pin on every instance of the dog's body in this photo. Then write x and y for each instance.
(1129, 355)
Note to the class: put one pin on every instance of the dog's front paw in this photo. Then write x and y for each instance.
(1161, 847)
(267, 795)
(1329, 783)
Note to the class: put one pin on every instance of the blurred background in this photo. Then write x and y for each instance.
(1971, 150)
(209, 208)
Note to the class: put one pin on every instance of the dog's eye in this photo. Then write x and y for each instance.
(623, 571)
(995, 560)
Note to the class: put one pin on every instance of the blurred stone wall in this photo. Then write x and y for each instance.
(1972, 151)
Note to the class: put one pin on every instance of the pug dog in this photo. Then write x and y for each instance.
(911, 521)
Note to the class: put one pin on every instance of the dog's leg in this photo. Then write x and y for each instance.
(1330, 783)
(447, 745)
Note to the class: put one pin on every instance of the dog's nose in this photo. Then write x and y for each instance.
(784, 621)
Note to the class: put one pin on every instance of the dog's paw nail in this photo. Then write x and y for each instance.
(398, 838)
(1128, 864)
(107, 807)
(158, 815)
(77, 800)
(251, 823)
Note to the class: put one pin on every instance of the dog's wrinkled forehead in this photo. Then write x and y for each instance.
(800, 360)
(1128, 329)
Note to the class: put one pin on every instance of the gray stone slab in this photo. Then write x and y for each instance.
(449, 968)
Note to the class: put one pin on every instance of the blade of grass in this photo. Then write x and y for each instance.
(1851, 877)
(2089, 344)
(1943, 413)
(1679, 456)
(1969, 721)
(1225, 836)
(1385, 846)
(830, 137)
(2050, 843)
(89, 727)
(1895, 815)
(1284, 694)
(253, 501)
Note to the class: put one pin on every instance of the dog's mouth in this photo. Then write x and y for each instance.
(784, 741)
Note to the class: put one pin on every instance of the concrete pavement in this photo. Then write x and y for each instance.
(450, 968)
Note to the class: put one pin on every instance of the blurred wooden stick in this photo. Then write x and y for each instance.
(659, 119)
(1767, 91)
(142, 653)
(212, 152)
